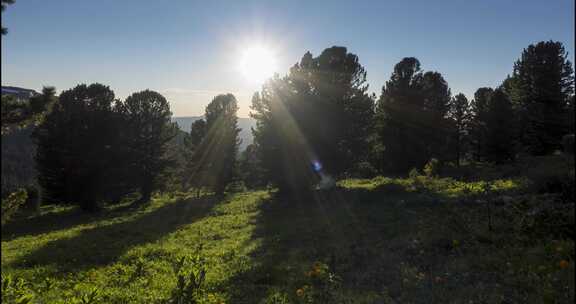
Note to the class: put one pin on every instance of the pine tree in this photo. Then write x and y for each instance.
(75, 143)
(315, 122)
(500, 128)
(147, 120)
(215, 145)
(411, 117)
(332, 109)
(543, 82)
(459, 114)
(479, 113)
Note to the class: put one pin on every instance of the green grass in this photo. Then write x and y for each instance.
(418, 240)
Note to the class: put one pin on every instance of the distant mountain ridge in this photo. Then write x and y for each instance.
(20, 93)
(245, 124)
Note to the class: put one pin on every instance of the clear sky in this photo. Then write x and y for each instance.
(190, 51)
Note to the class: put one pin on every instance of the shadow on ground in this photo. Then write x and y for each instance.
(105, 244)
(353, 231)
(55, 221)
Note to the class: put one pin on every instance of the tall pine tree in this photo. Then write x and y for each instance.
(215, 145)
(412, 117)
(147, 121)
(459, 114)
(75, 147)
(478, 125)
(543, 82)
(315, 122)
(500, 128)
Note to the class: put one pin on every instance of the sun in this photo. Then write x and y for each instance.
(257, 64)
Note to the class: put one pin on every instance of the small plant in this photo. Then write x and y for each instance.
(190, 275)
(16, 291)
(413, 174)
(92, 296)
(320, 286)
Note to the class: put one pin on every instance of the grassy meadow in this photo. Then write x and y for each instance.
(381, 240)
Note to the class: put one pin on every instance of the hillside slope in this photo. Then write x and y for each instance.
(371, 241)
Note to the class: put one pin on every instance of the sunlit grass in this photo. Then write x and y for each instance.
(411, 240)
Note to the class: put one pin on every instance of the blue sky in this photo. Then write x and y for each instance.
(189, 50)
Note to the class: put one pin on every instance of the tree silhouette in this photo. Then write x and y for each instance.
(411, 117)
(459, 113)
(5, 3)
(500, 128)
(147, 119)
(479, 112)
(541, 88)
(75, 144)
(315, 121)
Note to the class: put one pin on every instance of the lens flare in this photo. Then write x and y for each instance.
(317, 166)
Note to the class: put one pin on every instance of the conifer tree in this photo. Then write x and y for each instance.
(459, 114)
(479, 112)
(147, 119)
(315, 122)
(543, 82)
(412, 117)
(500, 128)
(75, 144)
(215, 145)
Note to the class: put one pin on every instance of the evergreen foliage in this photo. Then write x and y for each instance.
(543, 87)
(214, 141)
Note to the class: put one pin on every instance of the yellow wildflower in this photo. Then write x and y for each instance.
(300, 292)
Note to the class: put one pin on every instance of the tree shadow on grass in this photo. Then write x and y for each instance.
(103, 245)
(59, 220)
(347, 229)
